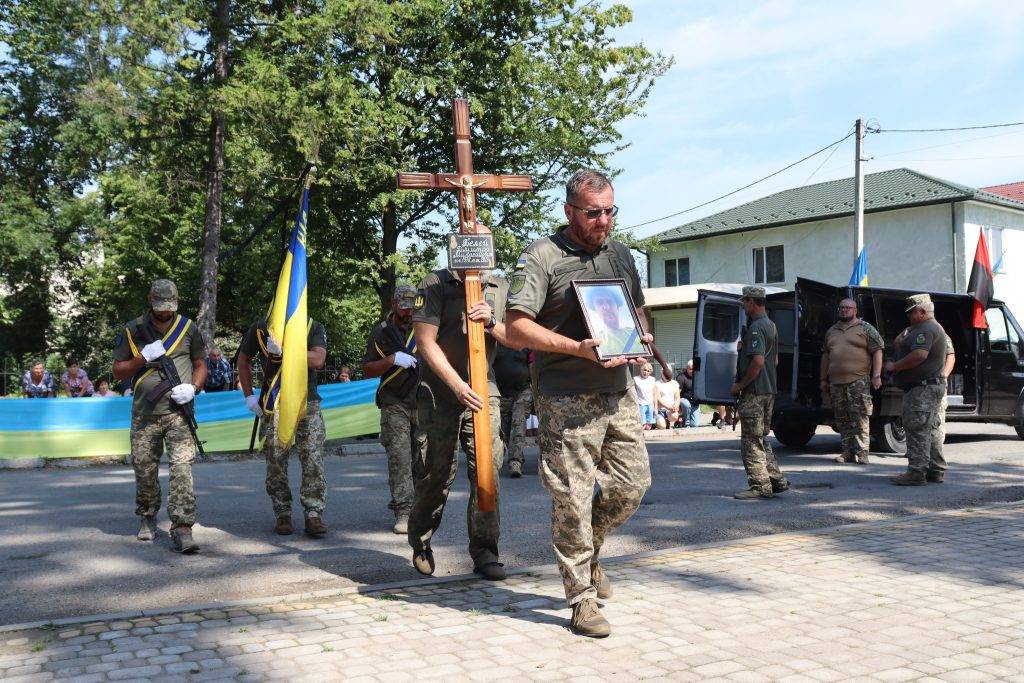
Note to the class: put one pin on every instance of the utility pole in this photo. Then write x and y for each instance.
(858, 193)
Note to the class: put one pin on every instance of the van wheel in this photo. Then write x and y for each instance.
(795, 435)
(888, 435)
(1020, 431)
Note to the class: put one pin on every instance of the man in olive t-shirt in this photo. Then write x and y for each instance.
(589, 430)
(756, 389)
(445, 404)
(309, 432)
(918, 370)
(157, 424)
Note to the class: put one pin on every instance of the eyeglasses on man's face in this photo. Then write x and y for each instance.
(841, 308)
(594, 214)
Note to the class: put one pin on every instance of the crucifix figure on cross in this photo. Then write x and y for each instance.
(466, 183)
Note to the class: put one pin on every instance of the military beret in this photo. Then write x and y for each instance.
(751, 292)
(916, 300)
(405, 296)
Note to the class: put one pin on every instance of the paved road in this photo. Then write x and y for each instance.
(930, 598)
(67, 542)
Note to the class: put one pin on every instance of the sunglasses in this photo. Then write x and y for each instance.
(594, 214)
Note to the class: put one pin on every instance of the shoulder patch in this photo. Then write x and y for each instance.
(755, 342)
(517, 283)
(920, 338)
(521, 263)
(419, 300)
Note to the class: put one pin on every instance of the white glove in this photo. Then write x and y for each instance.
(273, 348)
(183, 393)
(252, 402)
(404, 360)
(153, 351)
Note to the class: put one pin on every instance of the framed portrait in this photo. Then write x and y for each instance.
(610, 316)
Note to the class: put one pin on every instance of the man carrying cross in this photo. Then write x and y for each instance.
(445, 406)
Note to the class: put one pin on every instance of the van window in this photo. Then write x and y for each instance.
(998, 335)
(721, 322)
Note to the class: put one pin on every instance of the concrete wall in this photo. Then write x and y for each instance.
(911, 248)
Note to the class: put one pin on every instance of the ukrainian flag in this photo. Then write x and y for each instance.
(287, 324)
(859, 276)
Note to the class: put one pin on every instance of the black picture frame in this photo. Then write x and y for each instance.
(625, 342)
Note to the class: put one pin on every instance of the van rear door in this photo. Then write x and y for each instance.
(818, 308)
(720, 318)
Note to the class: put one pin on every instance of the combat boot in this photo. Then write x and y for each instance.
(935, 477)
(780, 485)
(423, 561)
(315, 527)
(862, 459)
(846, 458)
(599, 580)
(147, 529)
(492, 571)
(751, 494)
(401, 523)
(515, 469)
(284, 525)
(181, 537)
(587, 620)
(908, 478)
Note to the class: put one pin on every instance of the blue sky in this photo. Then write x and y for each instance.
(756, 86)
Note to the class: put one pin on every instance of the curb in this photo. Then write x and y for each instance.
(536, 570)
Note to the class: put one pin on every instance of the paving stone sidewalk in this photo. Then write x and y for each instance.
(935, 597)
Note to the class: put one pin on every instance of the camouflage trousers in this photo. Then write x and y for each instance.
(852, 405)
(309, 448)
(924, 420)
(755, 411)
(397, 431)
(588, 439)
(150, 434)
(442, 428)
(514, 411)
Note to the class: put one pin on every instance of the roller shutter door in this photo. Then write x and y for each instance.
(673, 333)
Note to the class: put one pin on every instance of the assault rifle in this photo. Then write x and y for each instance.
(170, 379)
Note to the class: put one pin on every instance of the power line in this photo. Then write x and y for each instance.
(942, 130)
(740, 189)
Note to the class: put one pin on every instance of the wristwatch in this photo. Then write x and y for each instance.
(491, 323)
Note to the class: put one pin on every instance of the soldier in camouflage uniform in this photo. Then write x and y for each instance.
(445, 407)
(390, 355)
(589, 432)
(159, 424)
(512, 373)
(309, 432)
(851, 366)
(756, 389)
(921, 353)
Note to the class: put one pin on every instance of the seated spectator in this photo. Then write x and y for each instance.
(646, 395)
(668, 403)
(103, 390)
(37, 382)
(75, 381)
(218, 372)
(345, 375)
(688, 407)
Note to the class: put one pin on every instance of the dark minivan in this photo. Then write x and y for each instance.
(986, 385)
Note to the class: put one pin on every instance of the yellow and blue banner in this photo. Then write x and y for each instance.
(859, 276)
(82, 427)
(287, 324)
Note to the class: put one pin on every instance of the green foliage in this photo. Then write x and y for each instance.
(103, 146)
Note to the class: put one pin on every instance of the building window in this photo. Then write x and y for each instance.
(769, 265)
(994, 237)
(677, 272)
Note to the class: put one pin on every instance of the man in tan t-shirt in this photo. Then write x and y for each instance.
(851, 366)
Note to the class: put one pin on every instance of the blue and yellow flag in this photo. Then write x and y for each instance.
(287, 324)
(859, 276)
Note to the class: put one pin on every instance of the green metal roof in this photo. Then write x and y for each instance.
(883, 191)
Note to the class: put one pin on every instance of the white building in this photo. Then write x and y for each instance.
(920, 232)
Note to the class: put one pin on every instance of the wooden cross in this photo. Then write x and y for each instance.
(466, 183)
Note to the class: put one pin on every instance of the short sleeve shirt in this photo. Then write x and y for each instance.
(850, 346)
(398, 384)
(186, 347)
(441, 301)
(929, 336)
(253, 345)
(541, 286)
(760, 338)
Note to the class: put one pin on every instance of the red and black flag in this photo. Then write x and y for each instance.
(981, 285)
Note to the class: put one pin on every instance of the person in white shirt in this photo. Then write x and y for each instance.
(645, 395)
(668, 402)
